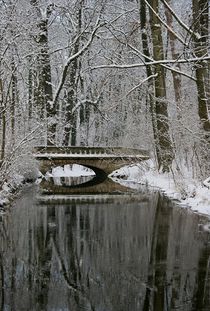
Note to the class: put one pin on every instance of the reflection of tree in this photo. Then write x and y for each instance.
(1, 282)
(44, 259)
(156, 292)
(201, 295)
(69, 262)
(4, 243)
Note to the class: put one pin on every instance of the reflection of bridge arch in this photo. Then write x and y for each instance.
(102, 161)
(103, 187)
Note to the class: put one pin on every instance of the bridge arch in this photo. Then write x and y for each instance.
(99, 177)
(102, 161)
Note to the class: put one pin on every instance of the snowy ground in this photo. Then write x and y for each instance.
(191, 193)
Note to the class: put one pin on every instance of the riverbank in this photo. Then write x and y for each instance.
(12, 186)
(189, 192)
(9, 189)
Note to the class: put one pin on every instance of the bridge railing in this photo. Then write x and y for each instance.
(89, 150)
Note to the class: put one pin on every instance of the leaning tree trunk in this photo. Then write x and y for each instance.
(163, 142)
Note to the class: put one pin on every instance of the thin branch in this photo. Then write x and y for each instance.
(142, 82)
(70, 59)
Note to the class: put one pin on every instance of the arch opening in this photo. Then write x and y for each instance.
(75, 175)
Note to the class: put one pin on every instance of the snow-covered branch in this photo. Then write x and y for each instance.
(140, 84)
(165, 66)
(163, 61)
(70, 59)
(189, 30)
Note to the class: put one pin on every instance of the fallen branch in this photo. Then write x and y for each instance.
(206, 182)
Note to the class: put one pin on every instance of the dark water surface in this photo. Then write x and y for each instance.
(125, 253)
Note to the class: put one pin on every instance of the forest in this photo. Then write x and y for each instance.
(131, 73)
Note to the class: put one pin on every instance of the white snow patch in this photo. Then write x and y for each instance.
(189, 192)
(8, 188)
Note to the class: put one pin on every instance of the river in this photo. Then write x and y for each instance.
(129, 252)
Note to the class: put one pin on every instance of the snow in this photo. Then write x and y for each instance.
(8, 189)
(83, 155)
(189, 193)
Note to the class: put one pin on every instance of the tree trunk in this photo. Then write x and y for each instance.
(13, 98)
(200, 23)
(175, 55)
(70, 129)
(45, 81)
(3, 120)
(30, 92)
(44, 92)
(163, 141)
(146, 51)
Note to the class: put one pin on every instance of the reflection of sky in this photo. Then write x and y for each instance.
(74, 170)
(70, 181)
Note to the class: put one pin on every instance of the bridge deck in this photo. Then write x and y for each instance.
(85, 156)
(66, 152)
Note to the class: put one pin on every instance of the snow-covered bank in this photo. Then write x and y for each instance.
(189, 192)
(9, 189)
(17, 169)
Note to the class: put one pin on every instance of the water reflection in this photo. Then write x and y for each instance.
(69, 181)
(82, 185)
(114, 256)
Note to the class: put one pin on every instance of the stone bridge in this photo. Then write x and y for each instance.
(102, 160)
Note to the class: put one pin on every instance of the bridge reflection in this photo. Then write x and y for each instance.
(99, 184)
